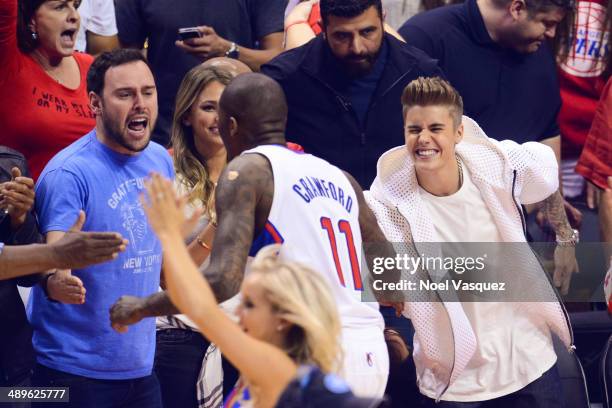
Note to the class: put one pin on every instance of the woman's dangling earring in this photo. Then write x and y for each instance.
(34, 36)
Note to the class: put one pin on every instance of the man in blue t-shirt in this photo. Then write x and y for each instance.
(103, 174)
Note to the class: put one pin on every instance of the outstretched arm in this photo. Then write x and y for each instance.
(240, 188)
(262, 364)
(242, 202)
(75, 249)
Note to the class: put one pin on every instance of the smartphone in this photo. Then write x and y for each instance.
(186, 33)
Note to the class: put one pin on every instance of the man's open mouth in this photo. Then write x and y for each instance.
(138, 124)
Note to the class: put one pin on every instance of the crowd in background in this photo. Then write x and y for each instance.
(87, 84)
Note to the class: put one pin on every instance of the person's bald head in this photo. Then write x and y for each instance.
(233, 66)
(252, 111)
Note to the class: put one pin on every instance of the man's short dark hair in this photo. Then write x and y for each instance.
(347, 8)
(537, 6)
(97, 71)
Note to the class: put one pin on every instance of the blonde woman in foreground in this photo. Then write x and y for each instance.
(287, 319)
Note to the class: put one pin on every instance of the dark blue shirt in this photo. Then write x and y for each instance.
(361, 90)
(321, 117)
(511, 95)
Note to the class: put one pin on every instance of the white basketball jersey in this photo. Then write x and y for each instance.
(315, 215)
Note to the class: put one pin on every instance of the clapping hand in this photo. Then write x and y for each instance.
(17, 197)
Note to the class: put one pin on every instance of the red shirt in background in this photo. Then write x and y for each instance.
(38, 116)
(595, 161)
(314, 19)
(580, 77)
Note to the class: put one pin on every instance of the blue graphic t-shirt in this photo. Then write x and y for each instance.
(78, 339)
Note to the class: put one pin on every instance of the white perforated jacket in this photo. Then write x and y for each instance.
(507, 174)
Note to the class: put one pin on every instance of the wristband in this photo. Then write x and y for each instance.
(294, 23)
(43, 283)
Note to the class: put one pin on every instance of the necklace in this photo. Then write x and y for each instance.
(460, 171)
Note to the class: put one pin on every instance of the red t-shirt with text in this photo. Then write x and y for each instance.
(38, 116)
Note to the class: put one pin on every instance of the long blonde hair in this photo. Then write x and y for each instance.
(189, 167)
(302, 297)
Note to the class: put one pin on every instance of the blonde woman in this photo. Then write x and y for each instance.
(287, 317)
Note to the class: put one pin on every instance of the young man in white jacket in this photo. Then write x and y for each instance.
(451, 183)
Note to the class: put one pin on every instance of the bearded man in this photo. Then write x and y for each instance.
(343, 87)
(103, 174)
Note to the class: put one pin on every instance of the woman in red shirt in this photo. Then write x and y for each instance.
(45, 106)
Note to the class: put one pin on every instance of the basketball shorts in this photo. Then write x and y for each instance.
(366, 361)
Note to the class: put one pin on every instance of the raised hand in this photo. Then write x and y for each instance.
(189, 224)
(164, 210)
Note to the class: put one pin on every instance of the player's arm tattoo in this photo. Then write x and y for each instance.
(244, 185)
(240, 187)
(554, 212)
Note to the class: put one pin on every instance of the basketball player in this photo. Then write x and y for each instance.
(267, 194)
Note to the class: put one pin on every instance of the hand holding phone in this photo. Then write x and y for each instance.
(205, 43)
(186, 33)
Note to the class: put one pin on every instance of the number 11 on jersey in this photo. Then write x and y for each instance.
(345, 228)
